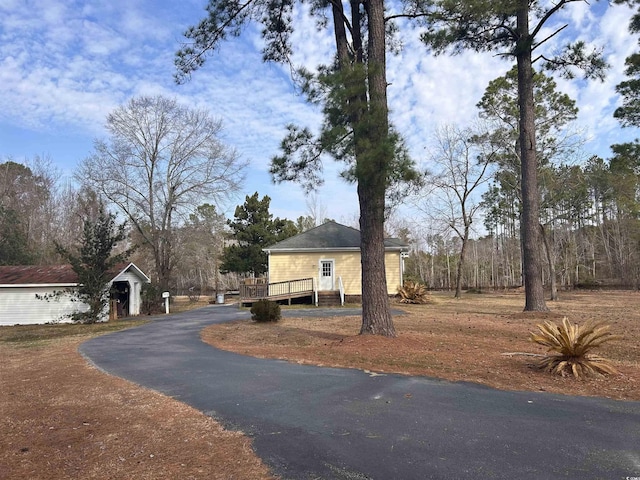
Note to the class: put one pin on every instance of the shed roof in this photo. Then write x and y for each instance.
(37, 274)
(53, 274)
(330, 236)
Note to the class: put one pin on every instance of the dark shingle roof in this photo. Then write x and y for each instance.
(330, 236)
(50, 274)
(37, 274)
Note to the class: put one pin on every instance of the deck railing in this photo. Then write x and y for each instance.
(276, 291)
(292, 286)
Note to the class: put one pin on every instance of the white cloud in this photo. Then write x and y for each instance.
(597, 100)
(65, 65)
(428, 91)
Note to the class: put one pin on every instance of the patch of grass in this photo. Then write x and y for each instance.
(28, 335)
(183, 303)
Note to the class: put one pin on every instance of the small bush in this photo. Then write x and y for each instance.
(194, 294)
(413, 292)
(151, 299)
(475, 291)
(265, 311)
(571, 345)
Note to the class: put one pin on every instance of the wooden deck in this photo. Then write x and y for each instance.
(277, 291)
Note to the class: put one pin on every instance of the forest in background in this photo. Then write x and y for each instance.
(590, 216)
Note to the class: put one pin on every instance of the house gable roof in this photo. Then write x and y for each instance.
(59, 275)
(130, 267)
(329, 236)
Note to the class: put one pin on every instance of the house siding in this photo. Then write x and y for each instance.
(285, 266)
(392, 265)
(20, 306)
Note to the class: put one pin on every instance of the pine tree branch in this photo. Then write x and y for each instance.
(533, 47)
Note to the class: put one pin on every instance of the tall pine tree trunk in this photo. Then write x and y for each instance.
(376, 313)
(368, 116)
(534, 291)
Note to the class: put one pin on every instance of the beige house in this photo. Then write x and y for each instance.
(330, 254)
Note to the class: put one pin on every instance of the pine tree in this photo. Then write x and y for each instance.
(516, 29)
(94, 264)
(254, 228)
(353, 94)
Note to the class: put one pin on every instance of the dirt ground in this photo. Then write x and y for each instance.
(63, 419)
(482, 338)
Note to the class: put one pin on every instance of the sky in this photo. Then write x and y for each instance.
(66, 64)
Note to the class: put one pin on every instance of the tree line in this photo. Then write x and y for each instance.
(588, 222)
(44, 223)
(152, 171)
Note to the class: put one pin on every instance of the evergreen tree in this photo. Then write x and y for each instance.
(624, 167)
(553, 111)
(94, 262)
(629, 112)
(254, 228)
(517, 29)
(353, 94)
(25, 201)
(13, 242)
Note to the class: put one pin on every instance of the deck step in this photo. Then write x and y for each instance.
(330, 298)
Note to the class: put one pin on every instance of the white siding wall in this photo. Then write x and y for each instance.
(19, 306)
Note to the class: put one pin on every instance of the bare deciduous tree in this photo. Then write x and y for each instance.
(161, 161)
(460, 167)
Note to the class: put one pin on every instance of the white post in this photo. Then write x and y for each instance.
(165, 295)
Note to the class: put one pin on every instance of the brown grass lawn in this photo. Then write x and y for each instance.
(63, 419)
(472, 339)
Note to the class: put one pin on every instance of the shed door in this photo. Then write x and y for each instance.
(326, 275)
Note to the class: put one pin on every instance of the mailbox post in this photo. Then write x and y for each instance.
(165, 295)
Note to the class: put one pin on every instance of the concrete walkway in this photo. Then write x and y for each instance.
(326, 423)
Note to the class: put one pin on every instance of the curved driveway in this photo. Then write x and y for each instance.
(327, 423)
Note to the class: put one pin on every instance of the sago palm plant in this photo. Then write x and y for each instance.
(413, 292)
(570, 346)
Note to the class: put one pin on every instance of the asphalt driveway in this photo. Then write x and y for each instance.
(327, 423)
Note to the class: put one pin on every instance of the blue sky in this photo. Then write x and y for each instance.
(65, 64)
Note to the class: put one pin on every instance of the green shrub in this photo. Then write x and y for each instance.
(265, 311)
(151, 299)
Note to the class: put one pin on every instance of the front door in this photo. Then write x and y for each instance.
(326, 275)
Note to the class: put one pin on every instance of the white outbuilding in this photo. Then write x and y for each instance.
(28, 293)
